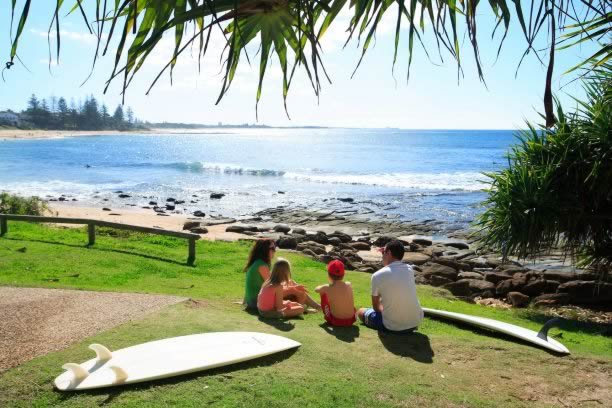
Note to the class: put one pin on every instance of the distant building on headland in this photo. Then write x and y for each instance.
(10, 118)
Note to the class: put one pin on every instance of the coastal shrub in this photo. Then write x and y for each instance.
(557, 189)
(12, 204)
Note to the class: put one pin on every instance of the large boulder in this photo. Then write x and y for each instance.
(383, 240)
(360, 246)
(281, 228)
(418, 239)
(218, 221)
(437, 280)
(190, 224)
(315, 247)
(515, 284)
(534, 287)
(416, 258)
(455, 244)
(478, 286)
(199, 230)
(436, 269)
(496, 277)
(589, 292)
(299, 238)
(288, 242)
(198, 213)
(460, 288)
(350, 255)
(557, 275)
(341, 236)
(335, 241)
(518, 299)
(453, 263)
(239, 229)
(367, 268)
(319, 237)
(300, 231)
(217, 196)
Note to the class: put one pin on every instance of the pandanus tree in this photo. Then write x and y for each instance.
(557, 189)
(293, 29)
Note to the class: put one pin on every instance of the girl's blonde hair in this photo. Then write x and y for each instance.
(281, 272)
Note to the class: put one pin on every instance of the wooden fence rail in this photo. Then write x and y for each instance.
(91, 229)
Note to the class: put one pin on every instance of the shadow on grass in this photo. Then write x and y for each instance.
(501, 336)
(120, 251)
(347, 334)
(414, 345)
(570, 325)
(278, 324)
(113, 393)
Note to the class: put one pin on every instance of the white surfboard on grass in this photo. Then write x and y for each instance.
(168, 358)
(540, 339)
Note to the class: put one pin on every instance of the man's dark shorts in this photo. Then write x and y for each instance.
(374, 320)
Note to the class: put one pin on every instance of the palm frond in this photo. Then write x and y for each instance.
(292, 30)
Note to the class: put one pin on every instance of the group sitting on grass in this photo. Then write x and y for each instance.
(272, 292)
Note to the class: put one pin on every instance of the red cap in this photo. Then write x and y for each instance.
(336, 268)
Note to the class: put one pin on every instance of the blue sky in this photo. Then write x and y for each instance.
(372, 98)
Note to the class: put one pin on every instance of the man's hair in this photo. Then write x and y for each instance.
(396, 248)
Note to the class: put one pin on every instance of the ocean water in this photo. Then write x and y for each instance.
(409, 175)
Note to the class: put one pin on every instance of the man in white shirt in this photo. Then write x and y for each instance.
(395, 306)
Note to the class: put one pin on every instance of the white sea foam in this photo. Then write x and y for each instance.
(466, 181)
(460, 181)
(56, 187)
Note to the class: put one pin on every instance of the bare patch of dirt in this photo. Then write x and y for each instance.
(36, 321)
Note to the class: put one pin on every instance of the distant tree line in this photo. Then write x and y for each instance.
(86, 115)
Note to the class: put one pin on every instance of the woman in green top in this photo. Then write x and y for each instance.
(258, 270)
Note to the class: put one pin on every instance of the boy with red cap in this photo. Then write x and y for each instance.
(337, 297)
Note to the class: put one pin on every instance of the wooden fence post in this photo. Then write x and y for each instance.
(91, 229)
(192, 251)
(3, 226)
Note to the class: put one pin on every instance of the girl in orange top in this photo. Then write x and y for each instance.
(270, 301)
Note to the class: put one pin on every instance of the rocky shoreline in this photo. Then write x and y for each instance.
(453, 261)
(458, 265)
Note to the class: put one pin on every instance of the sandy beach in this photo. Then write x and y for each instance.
(56, 134)
(144, 218)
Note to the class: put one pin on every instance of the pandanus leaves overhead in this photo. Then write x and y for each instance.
(292, 30)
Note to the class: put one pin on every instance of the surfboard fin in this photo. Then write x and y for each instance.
(102, 353)
(78, 372)
(543, 333)
(120, 374)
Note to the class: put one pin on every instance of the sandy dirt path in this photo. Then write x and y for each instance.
(36, 321)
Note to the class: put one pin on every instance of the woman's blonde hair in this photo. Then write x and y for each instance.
(281, 272)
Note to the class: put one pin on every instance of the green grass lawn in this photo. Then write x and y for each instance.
(442, 365)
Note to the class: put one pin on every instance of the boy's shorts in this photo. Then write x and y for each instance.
(374, 320)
